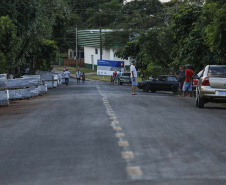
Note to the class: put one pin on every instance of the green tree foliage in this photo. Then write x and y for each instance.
(8, 43)
(195, 35)
(3, 64)
(116, 39)
(160, 36)
(35, 20)
(138, 15)
(45, 53)
(131, 49)
(189, 37)
(88, 12)
(105, 16)
(157, 44)
(152, 51)
(214, 12)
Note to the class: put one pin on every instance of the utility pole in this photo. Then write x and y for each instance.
(76, 50)
(100, 35)
(100, 43)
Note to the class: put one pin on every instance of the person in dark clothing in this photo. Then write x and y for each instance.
(83, 77)
(181, 76)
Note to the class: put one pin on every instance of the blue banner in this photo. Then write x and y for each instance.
(107, 67)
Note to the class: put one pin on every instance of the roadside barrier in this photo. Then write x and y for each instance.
(18, 83)
(3, 80)
(19, 94)
(27, 86)
(42, 89)
(55, 80)
(62, 80)
(51, 79)
(4, 93)
(4, 97)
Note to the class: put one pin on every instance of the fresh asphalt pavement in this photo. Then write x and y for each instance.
(98, 134)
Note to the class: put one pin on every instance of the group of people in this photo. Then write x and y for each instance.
(116, 77)
(66, 73)
(80, 75)
(185, 80)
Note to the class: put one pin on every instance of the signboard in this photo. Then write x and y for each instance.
(107, 67)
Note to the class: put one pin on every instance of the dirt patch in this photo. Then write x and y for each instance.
(22, 106)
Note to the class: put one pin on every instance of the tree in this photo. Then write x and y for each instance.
(138, 15)
(157, 44)
(214, 12)
(44, 54)
(189, 37)
(3, 64)
(152, 51)
(183, 23)
(35, 21)
(8, 43)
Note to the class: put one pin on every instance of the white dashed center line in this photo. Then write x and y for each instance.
(133, 171)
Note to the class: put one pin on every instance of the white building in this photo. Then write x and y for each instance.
(89, 40)
(92, 54)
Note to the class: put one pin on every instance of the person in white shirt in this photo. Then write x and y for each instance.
(66, 76)
(78, 75)
(133, 72)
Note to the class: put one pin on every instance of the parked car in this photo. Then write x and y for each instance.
(150, 78)
(211, 86)
(125, 78)
(161, 83)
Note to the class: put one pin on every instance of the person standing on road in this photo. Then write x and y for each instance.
(119, 76)
(181, 76)
(78, 75)
(54, 69)
(188, 80)
(115, 76)
(133, 72)
(66, 76)
(112, 80)
(83, 77)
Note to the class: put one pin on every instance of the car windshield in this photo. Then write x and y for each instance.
(217, 71)
(200, 73)
(126, 74)
(172, 79)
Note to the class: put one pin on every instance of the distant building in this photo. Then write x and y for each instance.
(89, 48)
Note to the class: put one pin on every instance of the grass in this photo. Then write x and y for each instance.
(73, 70)
(100, 78)
(105, 78)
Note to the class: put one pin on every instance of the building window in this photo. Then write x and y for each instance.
(71, 55)
(96, 51)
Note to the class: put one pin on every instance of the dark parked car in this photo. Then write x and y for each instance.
(161, 83)
(125, 78)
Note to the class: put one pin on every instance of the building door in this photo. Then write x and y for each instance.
(92, 61)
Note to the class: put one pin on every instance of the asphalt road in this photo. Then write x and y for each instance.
(97, 134)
